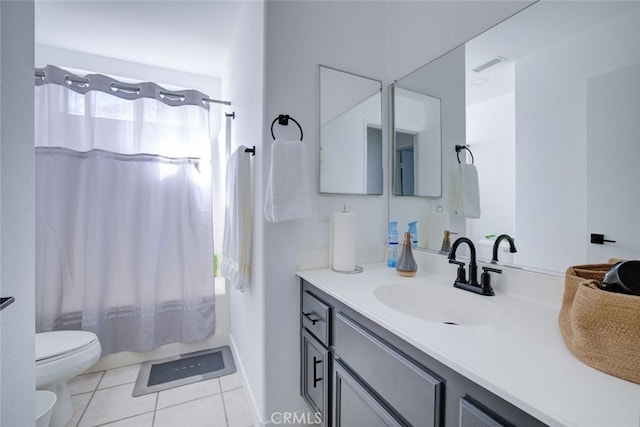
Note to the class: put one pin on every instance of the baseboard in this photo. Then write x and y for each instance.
(126, 358)
(245, 383)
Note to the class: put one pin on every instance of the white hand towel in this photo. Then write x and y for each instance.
(238, 221)
(287, 194)
(468, 191)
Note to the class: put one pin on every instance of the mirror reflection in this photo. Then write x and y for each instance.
(548, 102)
(350, 133)
(417, 141)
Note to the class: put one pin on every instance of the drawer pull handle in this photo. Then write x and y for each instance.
(312, 317)
(316, 380)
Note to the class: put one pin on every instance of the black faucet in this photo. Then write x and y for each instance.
(496, 246)
(472, 285)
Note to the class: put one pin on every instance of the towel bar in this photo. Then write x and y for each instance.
(459, 148)
(283, 120)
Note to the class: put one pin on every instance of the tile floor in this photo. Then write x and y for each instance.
(104, 399)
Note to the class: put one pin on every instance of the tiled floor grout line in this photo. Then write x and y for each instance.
(155, 410)
(93, 392)
(224, 407)
(85, 409)
(223, 393)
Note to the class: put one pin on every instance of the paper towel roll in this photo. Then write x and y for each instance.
(343, 241)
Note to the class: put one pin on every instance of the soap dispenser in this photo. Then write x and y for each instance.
(406, 265)
(446, 242)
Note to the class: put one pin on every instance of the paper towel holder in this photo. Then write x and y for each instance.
(356, 270)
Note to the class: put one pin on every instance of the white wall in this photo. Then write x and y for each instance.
(244, 87)
(299, 36)
(17, 214)
(545, 154)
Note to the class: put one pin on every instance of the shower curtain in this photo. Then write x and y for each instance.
(124, 239)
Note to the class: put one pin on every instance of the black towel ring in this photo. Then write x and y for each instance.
(459, 148)
(283, 120)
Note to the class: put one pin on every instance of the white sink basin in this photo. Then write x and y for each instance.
(439, 304)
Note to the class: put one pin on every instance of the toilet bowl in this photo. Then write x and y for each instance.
(60, 356)
(45, 401)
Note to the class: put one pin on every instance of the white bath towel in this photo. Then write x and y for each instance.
(287, 194)
(238, 221)
(468, 191)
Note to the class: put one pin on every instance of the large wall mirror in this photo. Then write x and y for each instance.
(548, 102)
(350, 133)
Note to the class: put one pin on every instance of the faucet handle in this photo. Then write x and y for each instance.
(462, 274)
(486, 269)
(485, 279)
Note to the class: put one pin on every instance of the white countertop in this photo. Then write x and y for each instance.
(521, 358)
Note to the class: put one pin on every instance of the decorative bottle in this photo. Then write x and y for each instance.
(406, 265)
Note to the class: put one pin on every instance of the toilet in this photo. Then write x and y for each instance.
(60, 356)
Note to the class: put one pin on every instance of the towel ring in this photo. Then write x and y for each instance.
(283, 120)
(459, 148)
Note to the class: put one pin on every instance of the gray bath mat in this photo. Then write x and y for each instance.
(163, 374)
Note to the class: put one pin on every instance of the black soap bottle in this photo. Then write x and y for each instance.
(406, 265)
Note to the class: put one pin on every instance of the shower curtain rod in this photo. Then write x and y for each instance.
(41, 74)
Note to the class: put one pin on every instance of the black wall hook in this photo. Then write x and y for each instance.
(459, 148)
(251, 150)
(283, 120)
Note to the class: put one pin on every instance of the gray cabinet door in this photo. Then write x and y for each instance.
(474, 415)
(353, 405)
(413, 393)
(315, 375)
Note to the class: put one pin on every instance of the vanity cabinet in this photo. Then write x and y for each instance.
(315, 355)
(378, 379)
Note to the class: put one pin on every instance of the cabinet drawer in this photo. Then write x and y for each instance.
(315, 376)
(315, 317)
(414, 393)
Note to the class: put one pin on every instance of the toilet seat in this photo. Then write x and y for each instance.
(55, 345)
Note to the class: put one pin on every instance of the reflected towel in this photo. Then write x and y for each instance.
(288, 195)
(238, 221)
(468, 191)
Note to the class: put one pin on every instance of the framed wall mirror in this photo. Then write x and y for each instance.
(548, 102)
(350, 133)
(417, 144)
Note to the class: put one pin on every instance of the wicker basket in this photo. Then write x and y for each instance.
(601, 328)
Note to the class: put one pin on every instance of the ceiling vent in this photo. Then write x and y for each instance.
(490, 63)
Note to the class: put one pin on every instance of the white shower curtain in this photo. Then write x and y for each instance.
(123, 209)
